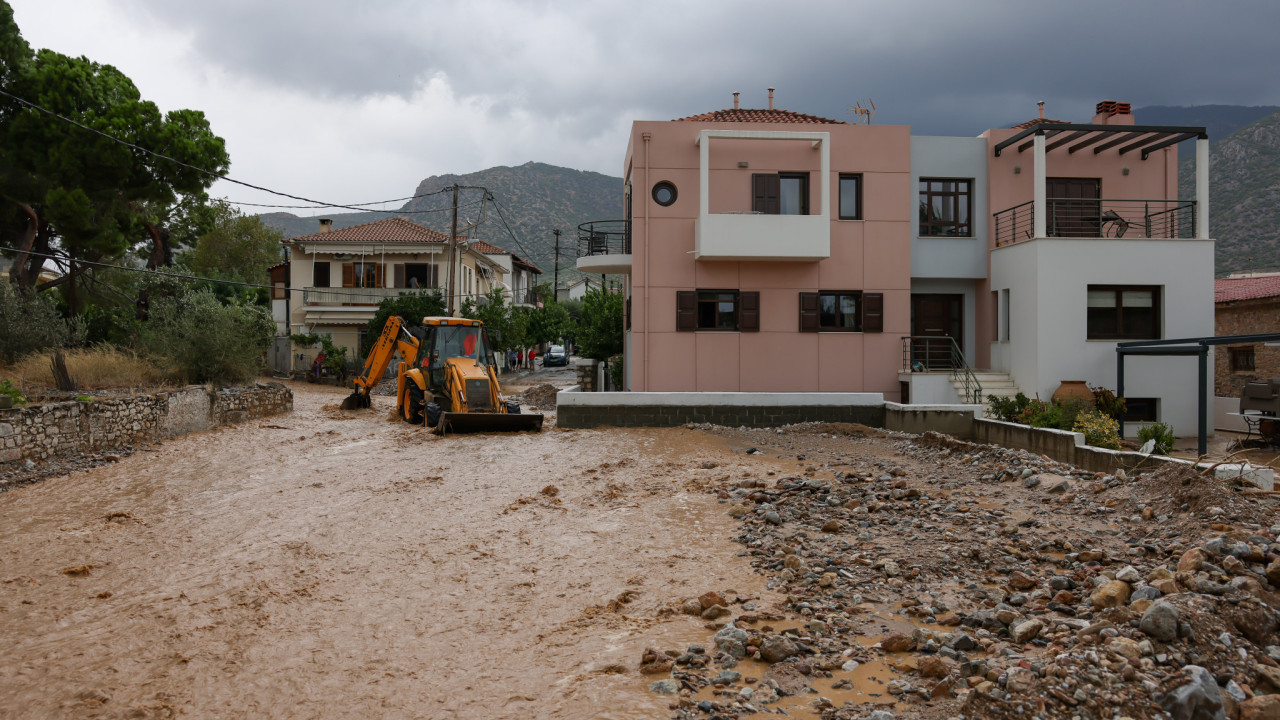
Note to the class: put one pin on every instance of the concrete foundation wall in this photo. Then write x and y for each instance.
(576, 409)
(43, 431)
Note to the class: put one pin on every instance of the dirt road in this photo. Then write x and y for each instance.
(330, 565)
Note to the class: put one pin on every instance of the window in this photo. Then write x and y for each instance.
(841, 311)
(717, 310)
(850, 197)
(1140, 410)
(416, 275)
(362, 274)
(320, 274)
(664, 193)
(1124, 312)
(780, 194)
(946, 207)
(1241, 358)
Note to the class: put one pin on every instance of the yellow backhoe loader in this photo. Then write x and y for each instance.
(447, 378)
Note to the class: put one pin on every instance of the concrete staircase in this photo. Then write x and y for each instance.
(993, 382)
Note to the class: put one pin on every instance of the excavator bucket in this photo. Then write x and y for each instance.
(475, 422)
(355, 401)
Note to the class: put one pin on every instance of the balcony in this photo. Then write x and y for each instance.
(604, 247)
(338, 297)
(1102, 218)
(755, 236)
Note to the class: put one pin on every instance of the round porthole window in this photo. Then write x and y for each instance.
(664, 193)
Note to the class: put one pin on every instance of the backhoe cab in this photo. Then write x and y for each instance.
(447, 378)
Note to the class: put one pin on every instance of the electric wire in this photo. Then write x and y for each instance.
(360, 205)
(210, 173)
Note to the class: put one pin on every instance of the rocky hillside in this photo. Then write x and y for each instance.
(535, 198)
(1244, 207)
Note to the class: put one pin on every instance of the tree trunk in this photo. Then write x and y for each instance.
(161, 254)
(28, 239)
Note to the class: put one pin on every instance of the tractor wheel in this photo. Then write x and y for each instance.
(433, 414)
(416, 403)
(513, 407)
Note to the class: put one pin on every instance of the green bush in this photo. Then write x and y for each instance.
(7, 388)
(30, 322)
(1099, 429)
(600, 329)
(411, 306)
(202, 340)
(616, 371)
(1161, 433)
(335, 356)
(1107, 402)
(1008, 408)
(1041, 414)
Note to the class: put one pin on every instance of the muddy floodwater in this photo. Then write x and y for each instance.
(329, 564)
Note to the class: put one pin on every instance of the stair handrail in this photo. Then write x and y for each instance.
(959, 365)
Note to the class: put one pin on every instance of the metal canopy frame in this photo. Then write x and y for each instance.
(1185, 346)
(1161, 136)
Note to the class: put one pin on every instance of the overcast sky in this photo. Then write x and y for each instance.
(352, 102)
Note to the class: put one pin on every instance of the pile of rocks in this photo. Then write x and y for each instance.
(997, 582)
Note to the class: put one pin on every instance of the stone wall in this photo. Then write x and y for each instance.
(1243, 317)
(38, 432)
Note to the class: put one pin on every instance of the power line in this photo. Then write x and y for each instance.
(358, 205)
(162, 156)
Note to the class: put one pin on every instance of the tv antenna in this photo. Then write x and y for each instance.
(864, 112)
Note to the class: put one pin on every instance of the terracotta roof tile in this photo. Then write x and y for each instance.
(745, 115)
(487, 248)
(277, 266)
(1037, 121)
(1246, 288)
(391, 230)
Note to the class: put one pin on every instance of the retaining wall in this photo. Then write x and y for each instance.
(576, 409)
(43, 431)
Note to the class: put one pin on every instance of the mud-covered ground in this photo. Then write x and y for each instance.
(330, 564)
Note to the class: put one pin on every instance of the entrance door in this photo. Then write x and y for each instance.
(1074, 207)
(935, 317)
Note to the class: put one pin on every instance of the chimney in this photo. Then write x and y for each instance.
(1110, 112)
(735, 100)
(1041, 106)
(770, 98)
(326, 225)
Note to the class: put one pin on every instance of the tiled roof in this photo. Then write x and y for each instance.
(760, 116)
(277, 266)
(391, 230)
(1037, 121)
(487, 248)
(517, 260)
(1246, 288)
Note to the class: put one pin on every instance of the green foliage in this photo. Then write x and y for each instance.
(335, 356)
(84, 398)
(203, 340)
(1041, 414)
(1107, 403)
(1099, 429)
(411, 306)
(1162, 433)
(617, 371)
(549, 324)
(238, 247)
(7, 388)
(1008, 408)
(30, 322)
(600, 333)
(504, 323)
(111, 325)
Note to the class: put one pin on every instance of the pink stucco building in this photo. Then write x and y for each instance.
(773, 251)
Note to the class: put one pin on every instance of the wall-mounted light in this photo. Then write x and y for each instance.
(1017, 169)
(743, 164)
(1124, 171)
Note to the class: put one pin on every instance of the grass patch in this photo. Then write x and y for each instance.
(94, 368)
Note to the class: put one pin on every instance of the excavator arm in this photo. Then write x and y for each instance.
(395, 337)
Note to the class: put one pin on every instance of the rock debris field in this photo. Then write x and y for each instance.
(333, 564)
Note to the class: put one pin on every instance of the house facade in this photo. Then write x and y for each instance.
(772, 251)
(338, 277)
(1246, 305)
(520, 276)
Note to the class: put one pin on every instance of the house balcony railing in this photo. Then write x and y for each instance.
(604, 237)
(349, 295)
(1103, 218)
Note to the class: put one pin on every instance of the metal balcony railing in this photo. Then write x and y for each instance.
(349, 296)
(928, 353)
(1104, 218)
(604, 237)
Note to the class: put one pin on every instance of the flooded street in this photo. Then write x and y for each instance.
(326, 564)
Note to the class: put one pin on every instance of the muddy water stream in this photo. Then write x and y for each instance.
(329, 565)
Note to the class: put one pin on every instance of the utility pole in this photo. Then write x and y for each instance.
(555, 288)
(453, 250)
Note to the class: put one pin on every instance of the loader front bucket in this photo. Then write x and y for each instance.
(355, 401)
(474, 422)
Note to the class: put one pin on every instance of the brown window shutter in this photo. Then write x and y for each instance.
(348, 275)
(749, 311)
(808, 312)
(686, 310)
(873, 312)
(379, 277)
(398, 274)
(765, 189)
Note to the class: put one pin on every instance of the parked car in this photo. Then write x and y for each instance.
(555, 355)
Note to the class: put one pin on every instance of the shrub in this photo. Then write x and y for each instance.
(1161, 433)
(335, 356)
(30, 322)
(202, 340)
(1041, 414)
(1107, 402)
(600, 330)
(7, 388)
(410, 305)
(1006, 408)
(1099, 429)
(616, 371)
